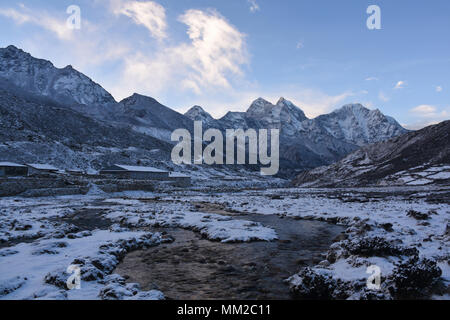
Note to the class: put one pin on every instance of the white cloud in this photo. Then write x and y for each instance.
(254, 6)
(372, 79)
(217, 47)
(206, 69)
(214, 55)
(40, 18)
(400, 85)
(419, 125)
(439, 89)
(428, 115)
(429, 111)
(210, 61)
(92, 45)
(147, 13)
(424, 110)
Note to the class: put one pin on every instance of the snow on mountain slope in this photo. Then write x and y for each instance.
(416, 158)
(41, 77)
(235, 120)
(48, 133)
(304, 143)
(146, 115)
(26, 75)
(359, 125)
(352, 124)
(196, 113)
(284, 115)
(308, 143)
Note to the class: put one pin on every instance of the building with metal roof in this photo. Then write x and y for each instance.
(135, 172)
(40, 168)
(11, 169)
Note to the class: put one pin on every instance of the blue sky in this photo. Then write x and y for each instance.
(224, 54)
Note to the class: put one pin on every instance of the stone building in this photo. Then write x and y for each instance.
(180, 180)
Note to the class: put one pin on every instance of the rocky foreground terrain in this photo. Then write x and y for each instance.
(404, 231)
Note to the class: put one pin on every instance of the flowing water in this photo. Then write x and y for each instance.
(195, 268)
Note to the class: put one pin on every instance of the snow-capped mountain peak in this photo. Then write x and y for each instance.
(284, 114)
(259, 108)
(148, 116)
(290, 109)
(138, 99)
(196, 113)
(359, 125)
(304, 143)
(283, 102)
(415, 158)
(41, 77)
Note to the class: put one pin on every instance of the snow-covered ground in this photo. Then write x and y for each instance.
(41, 237)
(391, 222)
(422, 175)
(38, 242)
(167, 213)
(37, 247)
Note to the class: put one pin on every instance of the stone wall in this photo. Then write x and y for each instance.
(65, 185)
(16, 186)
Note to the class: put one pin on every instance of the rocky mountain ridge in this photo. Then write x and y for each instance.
(416, 158)
(101, 121)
